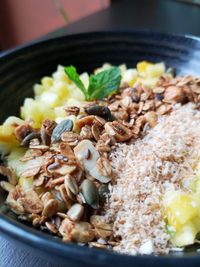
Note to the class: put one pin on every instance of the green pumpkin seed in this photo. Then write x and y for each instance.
(103, 192)
(29, 137)
(101, 111)
(63, 126)
(90, 193)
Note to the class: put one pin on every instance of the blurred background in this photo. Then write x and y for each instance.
(24, 20)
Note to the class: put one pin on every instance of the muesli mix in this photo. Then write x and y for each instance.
(112, 165)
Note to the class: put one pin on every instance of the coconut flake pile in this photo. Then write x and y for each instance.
(144, 172)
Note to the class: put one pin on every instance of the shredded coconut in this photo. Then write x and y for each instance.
(144, 172)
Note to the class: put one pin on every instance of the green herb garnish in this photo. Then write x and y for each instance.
(101, 85)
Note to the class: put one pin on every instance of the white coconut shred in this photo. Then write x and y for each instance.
(144, 172)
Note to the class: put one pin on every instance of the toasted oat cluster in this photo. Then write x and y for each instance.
(66, 172)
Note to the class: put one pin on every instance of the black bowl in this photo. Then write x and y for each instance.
(20, 68)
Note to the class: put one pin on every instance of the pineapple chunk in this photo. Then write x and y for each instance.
(180, 208)
(36, 112)
(130, 76)
(142, 66)
(185, 236)
(7, 137)
(155, 70)
(47, 82)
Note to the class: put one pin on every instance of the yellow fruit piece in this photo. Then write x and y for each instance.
(26, 183)
(185, 236)
(47, 82)
(38, 89)
(155, 70)
(7, 137)
(143, 65)
(130, 76)
(35, 112)
(49, 99)
(180, 208)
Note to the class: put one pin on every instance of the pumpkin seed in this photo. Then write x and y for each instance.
(101, 111)
(103, 192)
(63, 126)
(30, 137)
(90, 193)
(70, 183)
(76, 212)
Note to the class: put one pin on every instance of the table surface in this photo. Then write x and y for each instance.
(160, 15)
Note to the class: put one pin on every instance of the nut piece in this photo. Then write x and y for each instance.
(90, 164)
(152, 118)
(118, 131)
(76, 212)
(174, 94)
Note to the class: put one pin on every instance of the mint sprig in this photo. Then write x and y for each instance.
(101, 84)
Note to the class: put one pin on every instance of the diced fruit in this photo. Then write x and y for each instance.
(35, 112)
(47, 82)
(7, 137)
(155, 70)
(26, 183)
(143, 65)
(130, 76)
(185, 236)
(180, 208)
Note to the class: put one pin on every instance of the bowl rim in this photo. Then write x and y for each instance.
(38, 240)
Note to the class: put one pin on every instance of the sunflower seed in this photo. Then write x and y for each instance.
(76, 212)
(70, 183)
(63, 126)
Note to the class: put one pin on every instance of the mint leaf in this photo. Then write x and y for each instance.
(100, 85)
(104, 83)
(73, 75)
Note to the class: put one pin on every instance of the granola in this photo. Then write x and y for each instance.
(66, 174)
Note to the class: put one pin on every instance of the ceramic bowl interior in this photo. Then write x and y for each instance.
(22, 67)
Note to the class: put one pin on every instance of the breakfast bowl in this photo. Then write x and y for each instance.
(22, 67)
